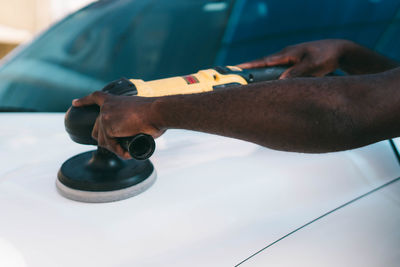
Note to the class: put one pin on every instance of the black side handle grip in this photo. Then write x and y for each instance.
(264, 74)
(79, 124)
(140, 146)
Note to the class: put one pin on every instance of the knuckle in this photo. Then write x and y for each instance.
(99, 94)
(106, 116)
(96, 93)
(313, 65)
(110, 131)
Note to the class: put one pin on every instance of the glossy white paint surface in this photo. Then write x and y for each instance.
(216, 200)
(365, 233)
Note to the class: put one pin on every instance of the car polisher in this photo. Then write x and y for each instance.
(100, 175)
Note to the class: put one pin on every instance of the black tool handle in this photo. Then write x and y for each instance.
(264, 74)
(256, 74)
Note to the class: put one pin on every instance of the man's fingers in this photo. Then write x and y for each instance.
(321, 72)
(102, 137)
(101, 141)
(108, 142)
(113, 145)
(97, 97)
(302, 69)
(117, 149)
(293, 72)
(279, 58)
(263, 62)
(259, 63)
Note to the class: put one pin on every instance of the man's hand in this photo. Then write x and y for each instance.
(318, 58)
(311, 59)
(120, 116)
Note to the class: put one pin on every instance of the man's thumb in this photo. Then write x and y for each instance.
(301, 69)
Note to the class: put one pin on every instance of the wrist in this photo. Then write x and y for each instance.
(156, 113)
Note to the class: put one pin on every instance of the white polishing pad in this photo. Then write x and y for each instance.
(106, 196)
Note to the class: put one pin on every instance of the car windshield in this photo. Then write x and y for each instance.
(151, 39)
(109, 40)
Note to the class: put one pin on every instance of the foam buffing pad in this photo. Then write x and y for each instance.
(100, 176)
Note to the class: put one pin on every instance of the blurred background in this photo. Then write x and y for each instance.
(21, 20)
(150, 39)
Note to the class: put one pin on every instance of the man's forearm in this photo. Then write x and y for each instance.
(357, 59)
(305, 115)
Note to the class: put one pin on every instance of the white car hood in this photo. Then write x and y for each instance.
(216, 200)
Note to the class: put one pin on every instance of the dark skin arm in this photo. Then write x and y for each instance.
(303, 114)
(318, 58)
